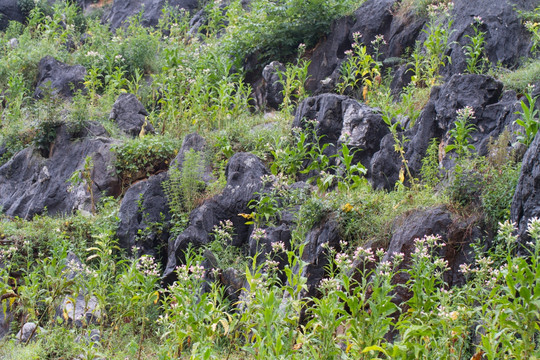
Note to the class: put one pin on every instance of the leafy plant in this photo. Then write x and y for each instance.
(529, 120)
(461, 133)
(141, 157)
(475, 50)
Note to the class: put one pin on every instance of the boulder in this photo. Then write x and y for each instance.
(456, 237)
(122, 10)
(29, 330)
(243, 172)
(6, 316)
(9, 11)
(493, 109)
(273, 86)
(145, 219)
(59, 78)
(372, 18)
(31, 184)
(323, 235)
(526, 201)
(506, 39)
(83, 309)
(130, 115)
(342, 120)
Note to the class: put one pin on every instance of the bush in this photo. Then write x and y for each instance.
(141, 157)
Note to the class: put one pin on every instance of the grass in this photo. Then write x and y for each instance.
(519, 79)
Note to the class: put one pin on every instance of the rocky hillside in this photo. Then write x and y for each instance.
(337, 179)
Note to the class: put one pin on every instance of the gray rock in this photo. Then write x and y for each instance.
(13, 43)
(526, 201)
(456, 235)
(243, 172)
(29, 183)
(29, 330)
(273, 86)
(130, 115)
(122, 10)
(60, 78)
(494, 111)
(506, 39)
(9, 11)
(145, 205)
(6, 316)
(339, 120)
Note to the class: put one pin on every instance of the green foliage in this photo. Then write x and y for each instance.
(529, 120)
(431, 174)
(520, 78)
(474, 51)
(141, 157)
(184, 188)
(461, 133)
(273, 30)
(360, 68)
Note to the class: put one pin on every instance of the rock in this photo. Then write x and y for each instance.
(494, 111)
(323, 235)
(82, 310)
(122, 10)
(6, 316)
(93, 337)
(372, 18)
(130, 115)
(29, 183)
(526, 201)
(62, 79)
(144, 212)
(343, 120)
(233, 282)
(13, 43)
(506, 39)
(273, 86)
(457, 237)
(145, 218)
(9, 11)
(402, 78)
(196, 143)
(328, 55)
(29, 330)
(243, 172)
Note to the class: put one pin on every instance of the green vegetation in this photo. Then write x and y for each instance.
(195, 82)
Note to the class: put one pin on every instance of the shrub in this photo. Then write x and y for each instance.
(141, 157)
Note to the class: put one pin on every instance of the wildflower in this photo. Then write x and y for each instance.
(343, 260)
(347, 208)
(119, 58)
(328, 285)
(478, 19)
(465, 113)
(278, 246)
(349, 52)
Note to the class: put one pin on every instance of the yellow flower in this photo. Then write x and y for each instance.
(246, 216)
(347, 207)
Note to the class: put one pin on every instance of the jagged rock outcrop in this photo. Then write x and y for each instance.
(526, 201)
(144, 212)
(59, 78)
(31, 184)
(78, 309)
(455, 235)
(243, 172)
(9, 11)
(506, 39)
(493, 111)
(323, 235)
(130, 115)
(122, 10)
(273, 86)
(372, 18)
(342, 120)
(145, 217)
